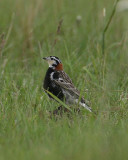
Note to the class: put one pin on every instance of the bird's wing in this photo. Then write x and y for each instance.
(66, 83)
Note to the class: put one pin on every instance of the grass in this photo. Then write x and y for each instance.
(28, 31)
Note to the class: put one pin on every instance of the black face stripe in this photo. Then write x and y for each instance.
(54, 65)
(56, 59)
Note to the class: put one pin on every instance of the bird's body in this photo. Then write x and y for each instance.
(59, 84)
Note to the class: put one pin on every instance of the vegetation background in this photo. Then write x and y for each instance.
(28, 33)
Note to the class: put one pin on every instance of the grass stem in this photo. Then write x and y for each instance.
(107, 26)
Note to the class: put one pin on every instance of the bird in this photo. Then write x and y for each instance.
(58, 83)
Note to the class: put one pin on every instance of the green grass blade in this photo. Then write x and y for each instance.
(58, 100)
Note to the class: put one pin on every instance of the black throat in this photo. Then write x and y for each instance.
(51, 86)
(47, 80)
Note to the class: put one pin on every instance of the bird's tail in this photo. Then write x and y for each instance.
(85, 106)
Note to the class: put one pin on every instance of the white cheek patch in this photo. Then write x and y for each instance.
(51, 62)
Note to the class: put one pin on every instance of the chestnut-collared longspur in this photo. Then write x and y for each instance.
(59, 84)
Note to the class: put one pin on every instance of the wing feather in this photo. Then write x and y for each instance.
(66, 83)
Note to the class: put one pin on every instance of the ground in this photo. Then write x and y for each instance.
(28, 32)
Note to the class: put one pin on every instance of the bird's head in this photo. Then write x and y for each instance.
(54, 62)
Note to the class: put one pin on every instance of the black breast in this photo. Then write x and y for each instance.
(51, 86)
